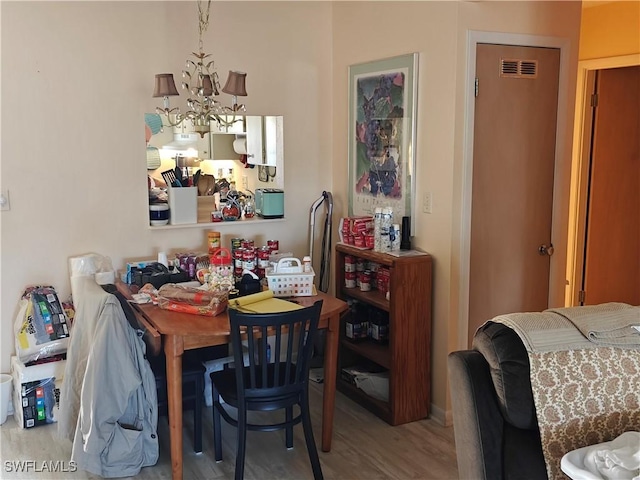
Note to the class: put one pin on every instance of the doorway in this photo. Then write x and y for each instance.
(557, 282)
(606, 182)
(512, 191)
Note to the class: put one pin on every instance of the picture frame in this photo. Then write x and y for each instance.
(382, 132)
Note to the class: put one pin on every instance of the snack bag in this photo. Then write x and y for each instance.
(41, 326)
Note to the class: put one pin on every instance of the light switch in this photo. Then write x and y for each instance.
(427, 202)
(4, 201)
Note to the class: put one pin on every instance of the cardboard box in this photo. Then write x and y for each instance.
(206, 205)
(36, 392)
(183, 205)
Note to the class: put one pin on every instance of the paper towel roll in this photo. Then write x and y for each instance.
(240, 146)
(84, 264)
(81, 268)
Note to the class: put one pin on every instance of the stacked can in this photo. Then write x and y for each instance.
(187, 263)
(238, 262)
(347, 235)
(236, 244)
(382, 279)
(360, 267)
(247, 256)
(263, 261)
(373, 267)
(350, 271)
(346, 231)
(365, 280)
(274, 246)
(249, 259)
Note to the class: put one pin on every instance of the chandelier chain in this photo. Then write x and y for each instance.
(203, 22)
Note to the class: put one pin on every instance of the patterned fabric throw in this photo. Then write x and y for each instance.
(584, 393)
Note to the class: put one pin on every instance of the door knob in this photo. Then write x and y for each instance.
(546, 249)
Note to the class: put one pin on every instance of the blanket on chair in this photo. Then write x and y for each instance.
(613, 324)
(584, 392)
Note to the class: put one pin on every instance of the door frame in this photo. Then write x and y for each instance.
(580, 168)
(473, 39)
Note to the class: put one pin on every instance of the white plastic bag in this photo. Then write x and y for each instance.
(41, 327)
(375, 385)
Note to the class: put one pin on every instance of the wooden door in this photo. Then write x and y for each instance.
(612, 243)
(512, 192)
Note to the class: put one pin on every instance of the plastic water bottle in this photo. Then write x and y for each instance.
(377, 229)
(395, 239)
(387, 218)
(162, 258)
(306, 264)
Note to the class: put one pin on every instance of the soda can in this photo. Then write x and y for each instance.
(191, 266)
(182, 261)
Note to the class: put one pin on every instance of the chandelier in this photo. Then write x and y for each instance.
(201, 80)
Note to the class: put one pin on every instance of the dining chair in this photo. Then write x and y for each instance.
(193, 372)
(261, 385)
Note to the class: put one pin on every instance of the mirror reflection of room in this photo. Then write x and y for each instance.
(225, 164)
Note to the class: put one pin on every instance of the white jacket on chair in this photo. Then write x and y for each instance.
(108, 403)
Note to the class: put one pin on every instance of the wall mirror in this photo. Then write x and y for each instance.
(260, 138)
(248, 152)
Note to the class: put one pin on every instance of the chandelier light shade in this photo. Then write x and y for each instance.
(200, 79)
(165, 86)
(207, 86)
(236, 84)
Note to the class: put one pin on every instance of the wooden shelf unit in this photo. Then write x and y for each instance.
(407, 355)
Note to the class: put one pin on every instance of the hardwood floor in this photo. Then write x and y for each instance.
(364, 447)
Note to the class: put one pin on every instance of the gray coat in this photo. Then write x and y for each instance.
(108, 395)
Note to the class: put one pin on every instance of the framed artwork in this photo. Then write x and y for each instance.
(382, 130)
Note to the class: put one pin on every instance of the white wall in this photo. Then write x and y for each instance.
(438, 30)
(77, 78)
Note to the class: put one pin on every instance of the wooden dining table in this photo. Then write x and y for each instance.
(176, 332)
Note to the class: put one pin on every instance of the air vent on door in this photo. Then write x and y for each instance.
(511, 68)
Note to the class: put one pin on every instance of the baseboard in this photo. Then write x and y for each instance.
(442, 417)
